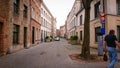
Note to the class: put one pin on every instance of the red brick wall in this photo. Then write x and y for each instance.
(34, 22)
(4, 17)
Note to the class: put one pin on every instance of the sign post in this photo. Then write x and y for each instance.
(100, 36)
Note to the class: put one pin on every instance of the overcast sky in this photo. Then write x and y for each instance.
(59, 9)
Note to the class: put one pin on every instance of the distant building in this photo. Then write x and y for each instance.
(46, 22)
(66, 32)
(62, 31)
(58, 32)
(72, 19)
(54, 28)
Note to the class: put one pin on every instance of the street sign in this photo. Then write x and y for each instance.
(100, 45)
(102, 21)
(102, 14)
(102, 30)
(102, 18)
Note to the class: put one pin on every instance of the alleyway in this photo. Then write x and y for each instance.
(47, 55)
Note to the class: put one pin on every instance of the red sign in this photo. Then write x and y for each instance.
(102, 17)
(102, 14)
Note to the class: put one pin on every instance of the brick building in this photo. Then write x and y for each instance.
(62, 31)
(3, 21)
(35, 21)
(58, 32)
(14, 25)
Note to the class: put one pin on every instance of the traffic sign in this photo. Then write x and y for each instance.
(102, 18)
(102, 21)
(102, 30)
(102, 14)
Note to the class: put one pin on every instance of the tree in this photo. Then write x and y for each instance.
(86, 42)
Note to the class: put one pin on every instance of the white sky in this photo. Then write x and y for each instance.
(59, 9)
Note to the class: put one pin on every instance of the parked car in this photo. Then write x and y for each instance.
(57, 38)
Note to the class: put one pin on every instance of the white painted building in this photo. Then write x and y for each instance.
(46, 21)
(71, 19)
(111, 8)
(54, 28)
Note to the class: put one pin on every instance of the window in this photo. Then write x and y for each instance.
(42, 10)
(97, 30)
(16, 6)
(81, 20)
(81, 35)
(15, 34)
(25, 11)
(77, 33)
(81, 6)
(118, 33)
(44, 23)
(41, 21)
(118, 7)
(97, 8)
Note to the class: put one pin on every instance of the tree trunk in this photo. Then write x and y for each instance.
(86, 42)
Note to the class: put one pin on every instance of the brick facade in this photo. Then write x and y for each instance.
(4, 19)
(9, 18)
(35, 21)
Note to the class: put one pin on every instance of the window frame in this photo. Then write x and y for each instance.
(25, 11)
(81, 17)
(97, 30)
(16, 34)
(16, 6)
(118, 7)
(97, 9)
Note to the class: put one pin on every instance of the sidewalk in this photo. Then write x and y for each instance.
(76, 49)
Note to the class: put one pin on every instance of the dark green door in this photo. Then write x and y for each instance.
(118, 33)
(25, 37)
(33, 37)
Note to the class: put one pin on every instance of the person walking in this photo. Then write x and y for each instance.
(110, 43)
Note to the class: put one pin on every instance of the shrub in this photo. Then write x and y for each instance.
(51, 36)
(71, 38)
(47, 37)
(75, 37)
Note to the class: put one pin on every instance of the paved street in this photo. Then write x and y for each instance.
(48, 55)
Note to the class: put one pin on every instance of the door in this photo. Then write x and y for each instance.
(33, 37)
(118, 33)
(1, 37)
(25, 37)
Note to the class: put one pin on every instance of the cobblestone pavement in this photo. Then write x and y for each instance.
(48, 55)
